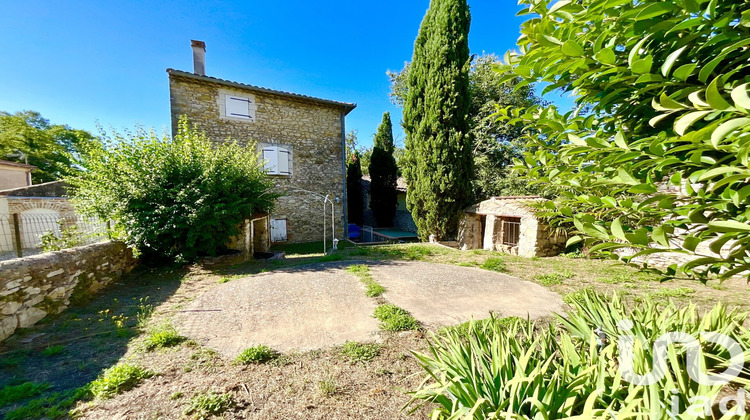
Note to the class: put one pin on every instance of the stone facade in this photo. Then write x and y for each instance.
(508, 224)
(311, 129)
(32, 287)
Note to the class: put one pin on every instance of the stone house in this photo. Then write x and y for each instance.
(14, 174)
(301, 139)
(509, 224)
(402, 220)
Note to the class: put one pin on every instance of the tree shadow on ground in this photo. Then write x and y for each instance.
(69, 350)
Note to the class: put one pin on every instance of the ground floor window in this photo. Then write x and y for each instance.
(511, 230)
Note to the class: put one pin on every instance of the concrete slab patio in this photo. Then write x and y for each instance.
(321, 305)
(439, 294)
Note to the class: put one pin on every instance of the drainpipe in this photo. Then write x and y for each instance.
(343, 171)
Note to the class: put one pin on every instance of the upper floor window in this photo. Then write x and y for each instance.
(278, 159)
(241, 107)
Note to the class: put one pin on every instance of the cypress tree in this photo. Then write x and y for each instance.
(383, 175)
(438, 159)
(354, 204)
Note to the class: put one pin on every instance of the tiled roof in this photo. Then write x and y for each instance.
(16, 164)
(346, 105)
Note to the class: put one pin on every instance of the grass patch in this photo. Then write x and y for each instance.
(552, 278)
(331, 257)
(494, 264)
(14, 359)
(54, 406)
(360, 352)
(117, 379)
(206, 404)
(12, 393)
(328, 387)
(204, 359)
(162, 336)
(393, 318)
(678, 292)
(53, 350)
(257, 354)
(374, 289)
(577, 296)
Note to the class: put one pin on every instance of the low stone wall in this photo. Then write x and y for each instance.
(32, 287)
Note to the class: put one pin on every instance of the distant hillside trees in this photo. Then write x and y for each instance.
(27, 137)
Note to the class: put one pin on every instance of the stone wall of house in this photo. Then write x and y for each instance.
(311, 129)
(32, 287)
(58, 204)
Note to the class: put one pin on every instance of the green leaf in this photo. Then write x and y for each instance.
(617, 230)
(573, 240)
(690, 243)
(740, 96)
(654, 10)
(620, 141)
(670, 103)
(572, 48)
(576, 140)
(559, 5)
(642, 189)
(718, 171)
(643, 65)
(729, 226)
(714, 98)
(606, 56)
(669, 62)
(685, 121)
(684, 71)
(636, 50)
(660, 236)
(726, 128)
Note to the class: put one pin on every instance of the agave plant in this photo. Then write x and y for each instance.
(521, 370)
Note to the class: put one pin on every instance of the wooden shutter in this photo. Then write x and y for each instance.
(278, 230)
(238, 107)
(284, 160)
(271, 158)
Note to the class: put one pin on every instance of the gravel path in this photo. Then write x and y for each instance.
(321, 305)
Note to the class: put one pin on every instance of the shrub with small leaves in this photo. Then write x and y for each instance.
(119, 378)
(257, 354)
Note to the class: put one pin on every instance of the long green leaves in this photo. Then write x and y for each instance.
(499, 370)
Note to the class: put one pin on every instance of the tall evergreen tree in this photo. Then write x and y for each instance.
(383, 174)
(354, 204)
(438, 160)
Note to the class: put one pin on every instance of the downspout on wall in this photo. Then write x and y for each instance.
(345, 210)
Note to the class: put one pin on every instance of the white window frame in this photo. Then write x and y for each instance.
(234, 106)
(278, 159)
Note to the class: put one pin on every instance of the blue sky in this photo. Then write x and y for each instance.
(79, 62)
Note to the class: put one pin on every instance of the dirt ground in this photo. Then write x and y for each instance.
(71, 349)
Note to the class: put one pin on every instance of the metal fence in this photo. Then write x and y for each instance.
(23, 234)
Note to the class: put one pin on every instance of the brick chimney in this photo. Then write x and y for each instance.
(199, 57)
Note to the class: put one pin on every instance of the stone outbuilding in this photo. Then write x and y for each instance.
(509, 224)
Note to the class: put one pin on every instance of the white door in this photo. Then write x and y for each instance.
(278, 230)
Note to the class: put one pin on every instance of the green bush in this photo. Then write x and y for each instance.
(360, 352)
(206, 404)
(521, 370)
(257, 354)
(117, 379)
(177, 199)
(494, 264)
(162, 336)
(12, 393)
(393, 318)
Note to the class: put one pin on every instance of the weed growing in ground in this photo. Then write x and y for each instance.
(466, 327)
(552, 278)
(12, 393)
(257, 354)
(328, 387)
(494, 264)
(54, 406)
(206, 404)
(678, 292)
(162, 336)
(360, 352)
(204, 359)
(145, 310)
(14, 359)
(331, 257)
(119, 378)
(53, 350)
(374, 289)
(393, 318)
(175, 395)
(577, 296)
